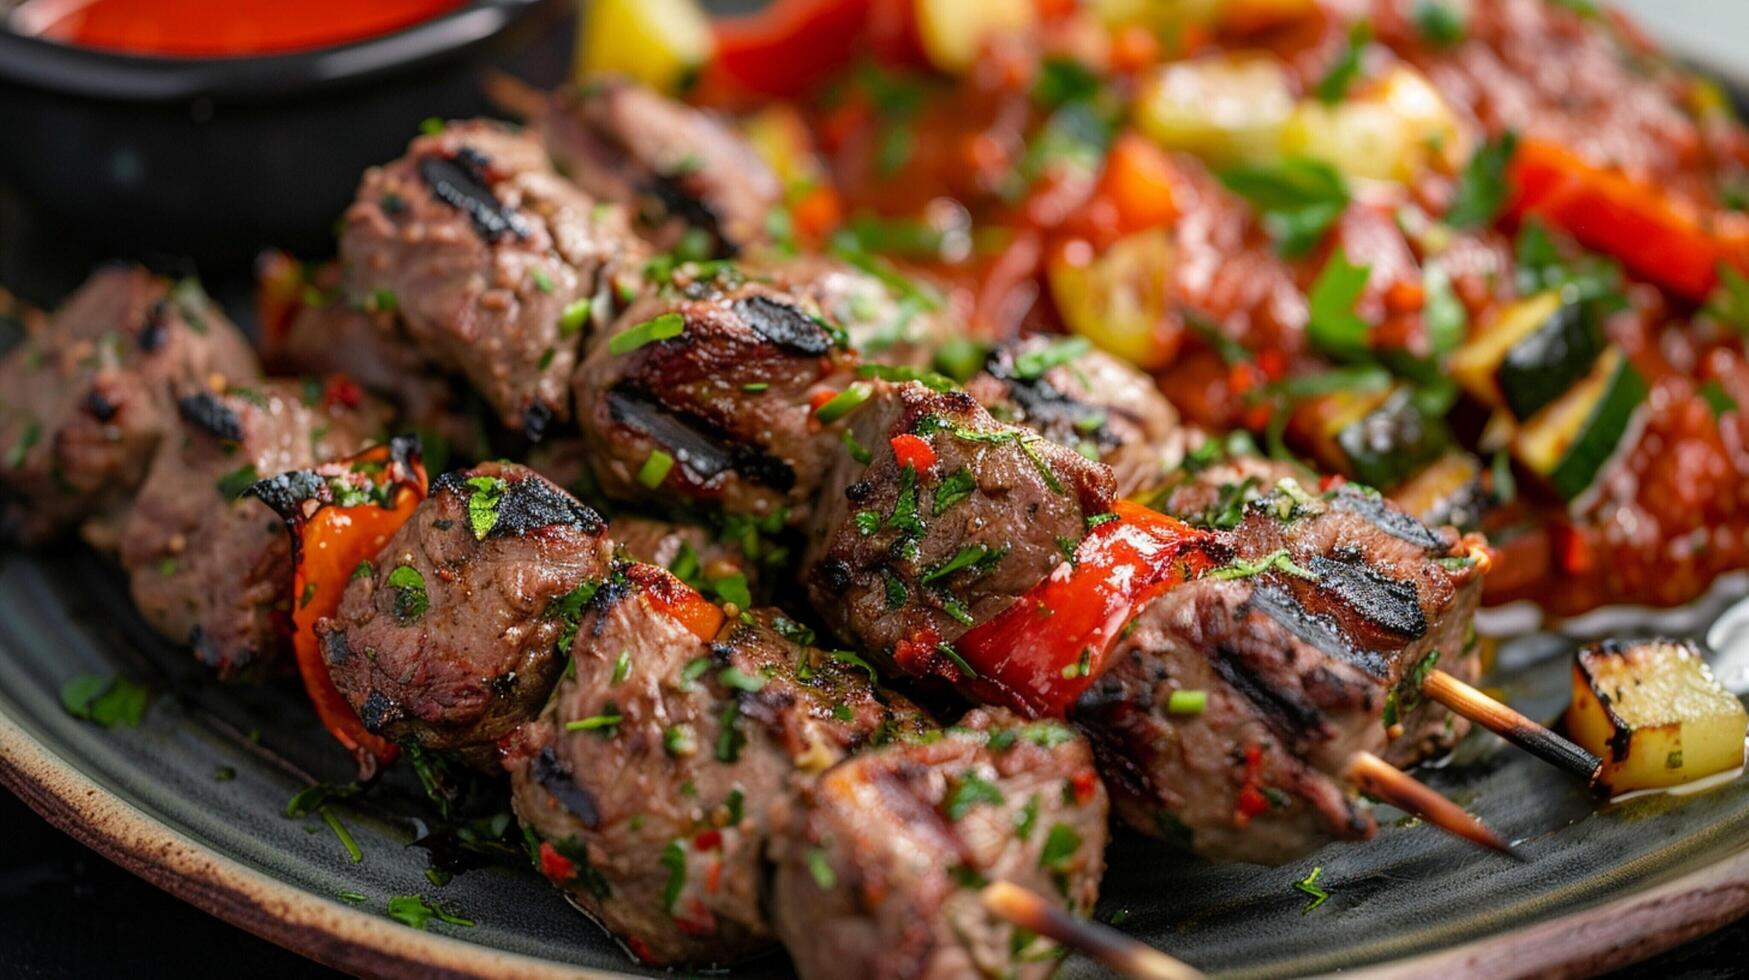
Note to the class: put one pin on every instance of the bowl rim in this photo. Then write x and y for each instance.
(99, 73)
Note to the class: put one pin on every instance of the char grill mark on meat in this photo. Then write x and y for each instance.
(1388, 603)
(461, 183)
(706, 454)
(206, 564)
(450, 639)
(677, 165)
(91, 391)
(493, 262)
(1084, 399)
(1387, 518)
(729, 397)
(1319, 630)
(882, 326)
(877, 862)
(998, 496)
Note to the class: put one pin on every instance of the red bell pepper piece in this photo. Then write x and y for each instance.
(672, 597)
(790, 46)
(1042, 652)
(912, 451)
(329, 541)
(1656, 234)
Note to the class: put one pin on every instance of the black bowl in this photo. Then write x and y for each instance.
(211, 159)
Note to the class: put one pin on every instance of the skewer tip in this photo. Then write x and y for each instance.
(1378, 778)
(1509, 724)
(1026, 909)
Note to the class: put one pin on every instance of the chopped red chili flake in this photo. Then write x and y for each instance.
(1084, 783)
(708, 840)
(913, 451)
(555, 866)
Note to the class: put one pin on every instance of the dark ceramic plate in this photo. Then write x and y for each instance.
(1600, 888)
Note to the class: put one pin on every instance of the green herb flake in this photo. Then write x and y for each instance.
(656, 468)
(353, 853)
(1717, 399)
(1187, 702)
(603, 723)
(663, 327)
(737, 679)
(488, 491)
(410, 599)
(821, 869)
(232, 484)
(1278, 559)
(348, 895)
(674, 859)
(1309, 885)
(1060, 845)
(947, 650)
(855, 448)
(1334, 327)
(969, 791)
(1333, 87)
(729, 738)
(953, 488)
(542, 281)
(412, 910)
(1440, 22)
(622, 668)
(979, 558)
(843, 403)
(105, 701)
(28, 437)
(1444, 316)
(1297, 198)
(1033, 364)
(1482, 187)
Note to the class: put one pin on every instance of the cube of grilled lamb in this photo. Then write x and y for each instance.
(1220, 495)
(1078, 396)
(954, 517)
(677, 166)
(880, 860)
(726, 398)
(210, 567)
(316, 333)
(649, 776)
(493, 260)
(86, 397)
(453, 636)
(1305, 647)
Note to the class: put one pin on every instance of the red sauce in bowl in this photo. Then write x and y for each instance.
(218, 28)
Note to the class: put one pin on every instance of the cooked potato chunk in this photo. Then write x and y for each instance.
(1224, 108)
(1654, 713)
(1120, 300)
(954, 32)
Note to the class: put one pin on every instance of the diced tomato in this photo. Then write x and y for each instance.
(1082, 785)
(817, 213)
(915, 654)
(1251, 800)
(672, 597)
(1138, 179)
(1040, 665)
(713, 878)
(329, 542)
(913, 451)
(820, 398)
(342, 390)
(1134, 48)
(555, 866)
(708, 840)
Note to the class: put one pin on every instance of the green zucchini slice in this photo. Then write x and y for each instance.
(1549, 360)
(1572, 438)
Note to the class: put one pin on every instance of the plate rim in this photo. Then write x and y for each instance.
(1609, 935)
(325, 930)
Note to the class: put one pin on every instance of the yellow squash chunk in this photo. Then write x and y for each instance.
(954, 32)
(1391, 130)
(1120, 299)
(1652, 711)
(1224, 108)
(658, 42)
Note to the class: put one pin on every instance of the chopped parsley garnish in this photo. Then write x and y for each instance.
(313, 798)
(1082, 667)
(867, 522)
(731, 589)
(622, 668)
(960, 357)
(1187, 702)
(843, 403)
(1060, 845)
(1035, 363)
(483, 504)
(694, 669)
(410, 600)
(352, 851)
(848, 657)
(1026, 818)
(1063, 80)
(821, 869)
(737, 679)
(1729, 302)
(674, 859)
(904, 517)
(1277, 559)
(953, 488)
(1441, 22)
(1333, 326)
(542, 281)
(656, 468)
(348, 895)
(680, 741)
(969, 791)
(663, 327)
(575, 315)
(106, 701)
(232, 484)
(1444, 315)
(947, 650)
(1333, 87)
(980, 558)
(1309, 885)
(755, 387)
(730, 739)
(1297, 198)
(1481, 189)
(897, 593)
(28, 437)
(857, 450)
(595, 723)
(1716, 398)
(415, 911)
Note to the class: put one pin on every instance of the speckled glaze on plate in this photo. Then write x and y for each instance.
(1601, 887)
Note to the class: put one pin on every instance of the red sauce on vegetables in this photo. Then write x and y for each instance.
(219, 28)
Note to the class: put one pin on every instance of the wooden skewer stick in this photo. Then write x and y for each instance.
(1500, 719)
(1378, 778)
(1103, 943)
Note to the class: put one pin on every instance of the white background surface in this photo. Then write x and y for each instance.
(1714, 34)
